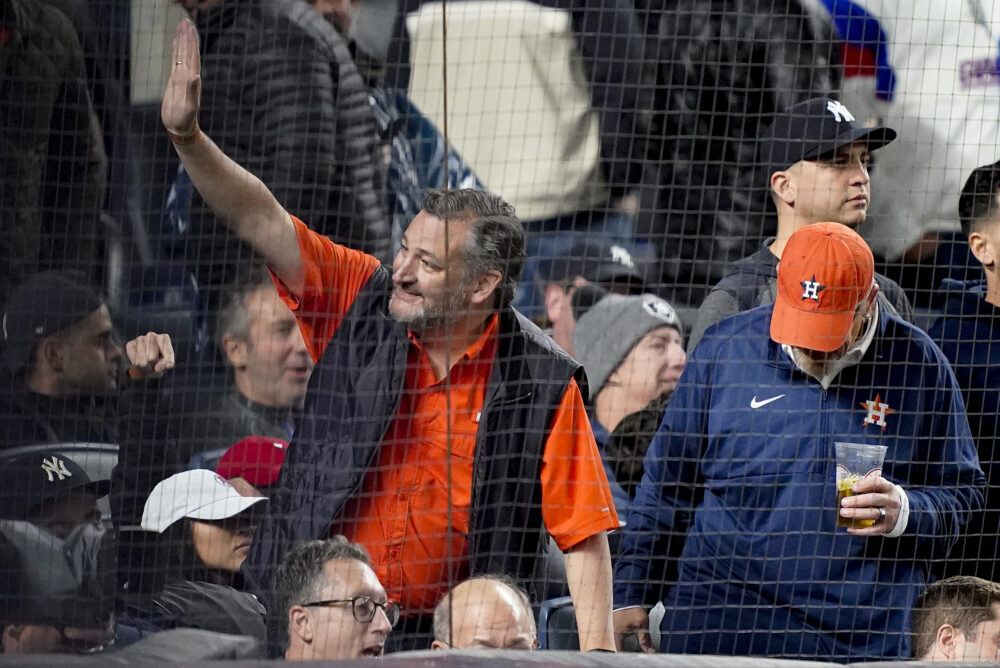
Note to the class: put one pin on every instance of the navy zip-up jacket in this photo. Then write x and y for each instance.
(743, 467)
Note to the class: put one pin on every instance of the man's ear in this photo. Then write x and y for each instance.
(783, 187)
(946, 643)
(11, 637)
(554, 297)
(982, 249)
(236, 350)
(300, 624)
(437, 645)
(52, 353)
(485, 286)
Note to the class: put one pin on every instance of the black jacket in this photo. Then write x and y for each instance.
(283, 98)
(52, 161)
(28, 418)
(969, 335)
(723, 68)
(354, 394)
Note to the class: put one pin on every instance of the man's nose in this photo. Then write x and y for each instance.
(380, 622)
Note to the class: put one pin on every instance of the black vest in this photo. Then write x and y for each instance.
(353, 397)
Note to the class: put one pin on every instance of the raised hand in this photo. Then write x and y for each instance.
(150, 355)
(182, 96)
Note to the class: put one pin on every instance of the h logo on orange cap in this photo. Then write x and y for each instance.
(811, 289)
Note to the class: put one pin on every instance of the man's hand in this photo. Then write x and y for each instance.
(870, 494)
(182, 97)
(633, 620)
(150, 355)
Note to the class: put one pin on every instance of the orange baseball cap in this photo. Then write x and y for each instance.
(825, 271)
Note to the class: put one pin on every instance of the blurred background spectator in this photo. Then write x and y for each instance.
(722, 69)
(53, 169)
(560, 129)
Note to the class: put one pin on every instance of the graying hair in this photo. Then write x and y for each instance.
(442, 613)
(300, 576)
(496, 235)
(233, 317)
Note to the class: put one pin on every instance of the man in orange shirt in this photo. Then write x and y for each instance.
(442, 431)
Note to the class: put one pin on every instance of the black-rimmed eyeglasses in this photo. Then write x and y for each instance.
(363, 608)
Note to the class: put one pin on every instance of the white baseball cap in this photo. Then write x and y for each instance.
(199, 494)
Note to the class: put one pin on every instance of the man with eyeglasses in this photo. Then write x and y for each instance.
(742, 472)
(334, 606)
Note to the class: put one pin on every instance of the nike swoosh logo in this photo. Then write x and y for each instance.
(757, 404)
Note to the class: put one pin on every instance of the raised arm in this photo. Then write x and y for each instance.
(236, 196)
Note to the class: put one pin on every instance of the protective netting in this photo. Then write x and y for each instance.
(313, 311)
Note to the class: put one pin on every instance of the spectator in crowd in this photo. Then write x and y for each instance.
(721, 69)
(286, 100)
(596, 261)
(930, 72)
(199, 530)
(632, 350)
(165, 432)
(485, 612)
(330, 604)
(51, 491)
(743, 465)
(56, 593)
(969, 335)
(957, 619)
(393, 347)
(63, 364)
(53, 169)
(252, 465)
(569, 108)
(816, 159)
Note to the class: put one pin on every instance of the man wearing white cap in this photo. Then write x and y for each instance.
(743, 465)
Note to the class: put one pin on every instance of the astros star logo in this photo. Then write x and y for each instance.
(811, 289)
(877, 411)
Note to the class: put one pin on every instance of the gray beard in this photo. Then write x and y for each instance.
(429, 319)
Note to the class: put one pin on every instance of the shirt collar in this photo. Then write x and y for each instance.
(488, 337)
(850, 358)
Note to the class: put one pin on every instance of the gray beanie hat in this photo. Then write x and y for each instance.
(606, 333)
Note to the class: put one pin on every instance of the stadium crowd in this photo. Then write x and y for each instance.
(584, 323)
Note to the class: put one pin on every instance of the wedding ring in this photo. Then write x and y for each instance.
(881, 514)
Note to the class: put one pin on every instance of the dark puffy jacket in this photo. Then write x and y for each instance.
(52, 162)
(723, 69)
(283, 97)
(969, 336)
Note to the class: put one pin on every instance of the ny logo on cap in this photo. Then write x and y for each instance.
(839, 111)
(621, 256)
(811, 289)
(55, 467)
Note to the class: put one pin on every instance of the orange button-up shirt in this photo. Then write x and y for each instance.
(412, 512)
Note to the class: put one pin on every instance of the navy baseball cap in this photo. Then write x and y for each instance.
(46, 304)
(811, 129)
(596, 260)
(30, 479)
